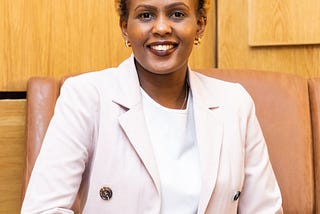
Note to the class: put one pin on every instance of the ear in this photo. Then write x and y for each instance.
(124, 25)
(202, 23)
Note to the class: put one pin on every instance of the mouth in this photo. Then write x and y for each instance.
(162, 48)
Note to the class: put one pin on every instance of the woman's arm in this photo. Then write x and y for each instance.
(261, 193)
(57, 173)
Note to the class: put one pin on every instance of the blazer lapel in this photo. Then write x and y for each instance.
(209, 127)
(134, 125)
(132, 120)
(209, 132)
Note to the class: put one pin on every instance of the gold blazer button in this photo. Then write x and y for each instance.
(105, 193)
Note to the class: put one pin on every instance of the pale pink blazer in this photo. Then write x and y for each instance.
(98, 137)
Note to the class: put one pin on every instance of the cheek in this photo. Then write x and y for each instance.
(188, 31)
(137, 33)
(188, 35)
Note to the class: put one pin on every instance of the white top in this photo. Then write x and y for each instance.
(172, 134)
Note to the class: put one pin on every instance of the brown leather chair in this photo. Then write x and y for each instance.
(314, 91)
(282, 105)
(42, 94)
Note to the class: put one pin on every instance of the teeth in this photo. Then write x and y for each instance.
(162, 47)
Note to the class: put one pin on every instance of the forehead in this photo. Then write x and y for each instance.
(162, 3)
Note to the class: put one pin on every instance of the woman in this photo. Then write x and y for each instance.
(152, 136)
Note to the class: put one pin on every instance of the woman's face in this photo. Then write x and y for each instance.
(161, 33)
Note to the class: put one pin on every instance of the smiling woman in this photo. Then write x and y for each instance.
(162, 36)
(153, 136)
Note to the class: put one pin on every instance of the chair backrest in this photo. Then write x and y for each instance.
(42, 94)
(314, 91)
(282, 105)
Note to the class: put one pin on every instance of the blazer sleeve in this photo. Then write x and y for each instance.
(260, 193)
(57, 173)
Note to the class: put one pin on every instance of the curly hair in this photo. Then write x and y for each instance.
(123, 9)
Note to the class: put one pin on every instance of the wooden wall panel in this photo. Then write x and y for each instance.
(59, 37)
(56, 38)
(285, 22)
(12, 131)
(203, 56)
(235, 52)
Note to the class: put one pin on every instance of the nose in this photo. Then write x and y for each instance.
(162, 26)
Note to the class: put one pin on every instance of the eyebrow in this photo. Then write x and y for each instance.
(151, 7)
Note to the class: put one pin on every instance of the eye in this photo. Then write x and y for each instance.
(145, 16)
(177, 15)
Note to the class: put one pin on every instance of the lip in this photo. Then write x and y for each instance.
(162, 48)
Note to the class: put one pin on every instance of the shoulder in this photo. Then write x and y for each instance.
(100, 81)
(83, 92)
(91, 83)
(91, 79)
(223, 91)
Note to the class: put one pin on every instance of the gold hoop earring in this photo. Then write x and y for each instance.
(197, 41)
(127, 44)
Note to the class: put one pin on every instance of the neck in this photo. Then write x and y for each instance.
(169, 90)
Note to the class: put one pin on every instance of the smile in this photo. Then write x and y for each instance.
(162, 47)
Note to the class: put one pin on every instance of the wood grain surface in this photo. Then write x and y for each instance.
(285, 22)
(57, 38)
(12, 130)
(234, 50)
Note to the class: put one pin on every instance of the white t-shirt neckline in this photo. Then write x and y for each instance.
(173, 138)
